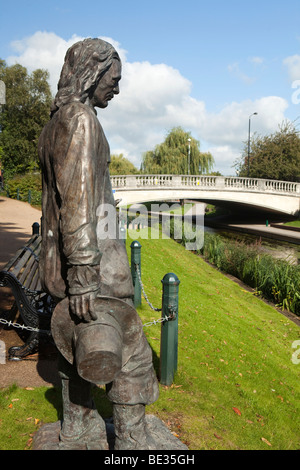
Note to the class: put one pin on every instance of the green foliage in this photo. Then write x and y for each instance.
(120, 165)
(274, 156)
(28, 100)
(19, 186)
(171, 157)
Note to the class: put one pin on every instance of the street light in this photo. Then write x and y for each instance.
(189, 156)
(254, 114)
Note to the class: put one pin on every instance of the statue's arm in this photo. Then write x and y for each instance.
(75, 178)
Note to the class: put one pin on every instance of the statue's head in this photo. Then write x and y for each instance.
(86, 65)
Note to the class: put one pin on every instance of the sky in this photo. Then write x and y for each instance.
(206, 66)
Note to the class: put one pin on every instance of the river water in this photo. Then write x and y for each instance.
(276, 248)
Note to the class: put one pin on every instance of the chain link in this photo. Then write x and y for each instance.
(143, 290)
(37, 330)
(160, 320)
(23, 327)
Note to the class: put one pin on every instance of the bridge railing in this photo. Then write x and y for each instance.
(230, 183)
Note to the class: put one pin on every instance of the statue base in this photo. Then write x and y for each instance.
(47, 438)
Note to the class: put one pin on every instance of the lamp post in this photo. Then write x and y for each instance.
(189, 156)
(254, 114)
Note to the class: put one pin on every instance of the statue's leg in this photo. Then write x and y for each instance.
(130, 427)
(135, 387)
(82, 426)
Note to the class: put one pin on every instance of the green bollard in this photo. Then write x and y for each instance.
(29, 196)
(136, 264)
(18, 194)
(169, 329)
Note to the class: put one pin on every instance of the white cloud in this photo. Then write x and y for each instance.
(226, 157)
(230, 125)
(155, 98)
(236, 71)
(256, 60)
(42, 50)
(292, 63)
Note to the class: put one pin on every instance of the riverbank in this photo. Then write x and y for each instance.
(273, 231)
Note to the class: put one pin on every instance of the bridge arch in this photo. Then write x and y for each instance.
(281, 197)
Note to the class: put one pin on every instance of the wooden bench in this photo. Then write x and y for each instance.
(21, 275)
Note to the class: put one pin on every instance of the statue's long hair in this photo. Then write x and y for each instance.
(85, 63)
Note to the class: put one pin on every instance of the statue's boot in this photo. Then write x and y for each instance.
(82, 426)
(131, 432)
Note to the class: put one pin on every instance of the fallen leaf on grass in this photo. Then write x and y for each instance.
(218, 437)
(267, 442)
(28, 443)
(237, 411)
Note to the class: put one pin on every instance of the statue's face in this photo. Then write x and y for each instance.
(108, 86)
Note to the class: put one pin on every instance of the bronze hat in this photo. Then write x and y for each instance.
(100, 347)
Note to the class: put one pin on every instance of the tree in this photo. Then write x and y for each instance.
(274, 156)
(172, 156)
(27, 108)
(120, 165)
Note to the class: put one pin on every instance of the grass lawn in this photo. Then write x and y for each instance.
(236, 387)
(294, 223)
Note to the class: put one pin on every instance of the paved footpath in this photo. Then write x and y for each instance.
(16, 220)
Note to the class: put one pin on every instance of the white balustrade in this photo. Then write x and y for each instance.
(128, 182)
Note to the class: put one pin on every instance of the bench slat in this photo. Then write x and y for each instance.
(26, 274)
(35, 280)
(13, 260)
(24, 256)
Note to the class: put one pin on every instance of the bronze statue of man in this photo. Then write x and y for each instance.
(95, 326)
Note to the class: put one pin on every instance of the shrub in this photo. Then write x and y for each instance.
(25, 188)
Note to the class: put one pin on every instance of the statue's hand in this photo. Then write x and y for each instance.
(83, 283)
(83, 306)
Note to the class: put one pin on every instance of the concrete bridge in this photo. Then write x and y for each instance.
(281, 197)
